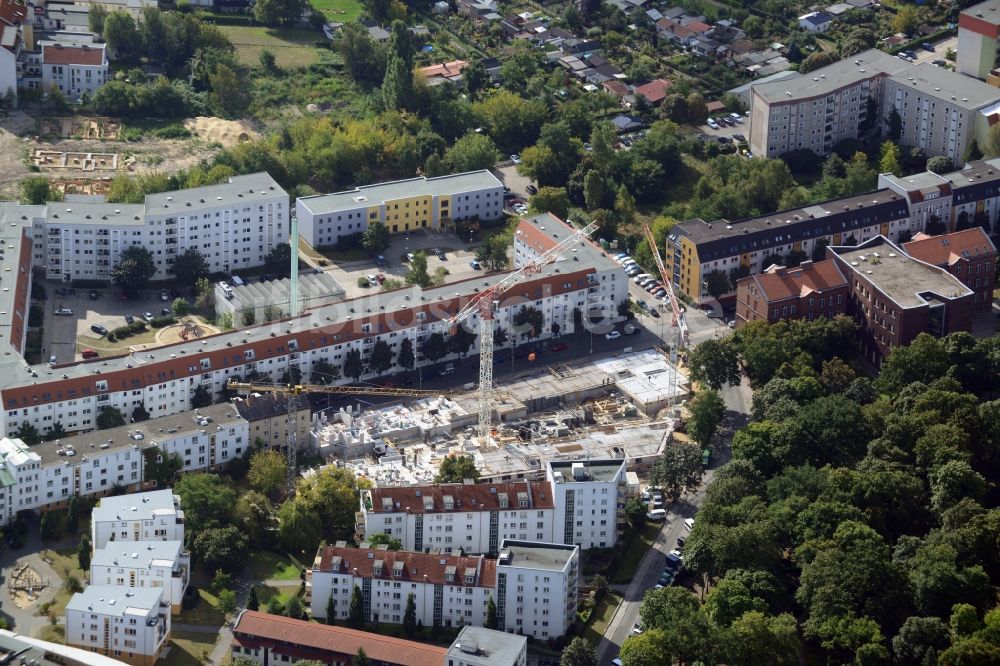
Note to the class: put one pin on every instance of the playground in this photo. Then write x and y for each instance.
(188, 328)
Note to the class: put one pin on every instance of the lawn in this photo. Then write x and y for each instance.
(188, 648)
(292, 47)
(52, 634)
(341, 11)
(601, 617)
(266, 565)
(105, 348)
(204, 613)
(266, 592)
(65, 564)
(636, 551)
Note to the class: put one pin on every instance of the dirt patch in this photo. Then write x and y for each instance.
(227, 132)
(73, 127)
(90, 186)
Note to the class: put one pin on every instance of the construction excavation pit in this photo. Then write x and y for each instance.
(93, 128)
(53, 160)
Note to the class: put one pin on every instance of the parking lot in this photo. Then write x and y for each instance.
(729, 131)
(940, 49)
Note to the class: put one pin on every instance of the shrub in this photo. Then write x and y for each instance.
(362, 282)
(137, 326)
(111, 336)
(160, 322)
(73, 584)
(121, 332)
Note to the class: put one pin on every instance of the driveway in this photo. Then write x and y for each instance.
(509, 176)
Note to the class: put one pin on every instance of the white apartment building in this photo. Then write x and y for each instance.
(590, 501)
(449, 590)
(128, 624)
(74, 69)
(140, 517)
(476, 518)
(978, 35)
(476, 646)
(537, 588)
(161, 565)
(234, 225)
(402, 206)
(928, 198)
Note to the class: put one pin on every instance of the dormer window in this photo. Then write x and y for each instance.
(449, 503)
(377, 567)
(504, 502)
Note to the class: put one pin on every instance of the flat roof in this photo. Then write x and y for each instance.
(137, 506)
(831, 78)
(988, 11)
(116, 600)
(898, 276)
(597, 470)
(646, 376)
(49, 654)
(535, 555)
(496, 647)
(780, 76)
(137, 554)
(946, 85)
(368, 195)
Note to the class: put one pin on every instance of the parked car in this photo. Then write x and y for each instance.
(93, 295)
(515, 158)
(380, 278)
(148, 316)
(927, 46)
(64, 312)
(612, 335)
(100, 330)
(52, 359)
(129, 319)
(164, 295)
(657, 515)
(440, 254)
(89, 353)
(475, 265)
(410, 256)
(689, 524)
(531, 189)
(165, 312)
(448, 370)
(740, 137)
(559, 346)
(372, 281)
(711, 123)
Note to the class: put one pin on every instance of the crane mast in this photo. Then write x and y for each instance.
(677, 320)
(484, 304)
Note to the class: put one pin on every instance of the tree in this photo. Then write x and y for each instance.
(889, 162)
(410, 617)
(894, 125)
(190, 266)
(456, 468)
(758, 639)
(492, 622)
(224, 548)
(140, 413)
(729, 600)
(706, 411)
(418, 271)
(397, 86)
(472, 152)
(594, 189)
(551, 200)
(920, 639)
(376, 237)
(95, 18)
(28, 433)
(267, 472)
(330, 495)
(382, 539)
(121, 35)
(180, 307)
(677, 470)
(83, 552)
(579, 652)
(529, 320)
(906, 19)
(331, 610)
(268, 62)
(109, 417)
(252, 602)
(356, 614)
(353, 367)
(492, 252)
(940, 164)
(717, 284)
(73, 515)
(360, 659)
(635, 512)
(973, 152)
(461, 340)
(991, 147)
(207, 500)
(381, 357)
(714, 363)
(293, 608)
(135, 267)
(300, 529)
(278, 12)
(51, 525)
(434, 347)
(35, 190)
(279, 260)
(406, 357)
(200, 397)
(624, 206)
(817, 60)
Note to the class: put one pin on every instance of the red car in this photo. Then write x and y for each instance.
(559, 346)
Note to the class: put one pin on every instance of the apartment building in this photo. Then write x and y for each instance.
(969, 255)
(978, 35)
(477, 646)
(45, 653)
(267, 419)
(140, 517)
(403, 206)
(15, 277)
(590, 501)
(975, 195)
(128, 624)
(537, 588)
(161, 565)
(448, 590)
(941, 111)
(808, 291)
(700, 247)
(73, 69)
(928, 197)
(895, 297)
(473, 517)
(13, 15)
(233, 224)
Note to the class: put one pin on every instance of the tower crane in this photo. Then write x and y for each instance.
(293, 391)
(485, 303)
(678, 321)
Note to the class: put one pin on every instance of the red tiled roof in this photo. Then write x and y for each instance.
(654, 91)
(13, 12)
(533, 237)
(417, 567)
(446, 70)
(794, 282)
(303, 639)
(947, 249)
(616, 87)
(698, 26)
(715, 106)
(472, 497)
(57, 54)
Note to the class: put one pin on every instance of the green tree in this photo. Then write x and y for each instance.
(756, 639)
(889, 162)
(96, 15)
(279, 260)
(323, 372)
(406, 358)
(706, 411)
(109, 417)
(36, 190)
(461, 340)
(714, 363)
(227, 601)
(51, 525)
(456, 468)
(472, 152)
(253, 513)
(397, 86)
(492, 622)
(894, 125)
(360, 659)
(717, 284)
(300, 530)
(331, 610)
(268, 62)
(625, 206)
(594, 189)
(410, 616)
(529, 320)
(492, 252)
(278, 12)
(376, 237)
(906, 19)
(418, 271)
(134, 269)
(28, 433)
(677, 470)
(353, 366)
(551, 200)
(330, 495)
(267, 472)
(920, 640)
(940, 164)
(121, 35)
(579, 652)
(434, 347)
(356, 614)
(190, 266)
(200, 397)
(991, 147)
(635, 511)
(729, 600)
(224, 548)
(180, 307)
(511, 121)
(229, 96)
(73, 515)
(381, 357)
(382, 539)
(817, 60)
(207, 500)
(83, 552)
(161, 468)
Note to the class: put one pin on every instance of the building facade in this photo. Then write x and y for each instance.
(161, 565)
(403, 206)
(537, 587)
(73, 69)
(140, 517)
(267, 419)
(476, 646)
(590, 501)
(808, 291)
(969, 255)
(978, 35)
(128, 624)
(475, 518)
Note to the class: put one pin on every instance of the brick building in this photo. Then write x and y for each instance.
(969, 255)
(811, 290)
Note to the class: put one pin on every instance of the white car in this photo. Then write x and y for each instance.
(372, 281)
(409, 257)
(637, 629)
(612, 335)
(65, 312)
(711, 123)
(515, 158)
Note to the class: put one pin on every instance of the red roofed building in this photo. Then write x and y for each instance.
(809, 291)
(12, 17)
(655, 91)
(443, 72)
(74, 69)
(969, 255)
(615, 87)
(273, 639)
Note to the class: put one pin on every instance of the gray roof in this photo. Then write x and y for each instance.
(260, 407)
(101, 214)
(250, 188)
(369, 195)
(137, 554)
(535, 555)
(907, 281)
(596, 470)
(948, 86)
(780, 76)
(14, 219)
(137, 506)
(116, 600)
(831, 78)
(988, 11)
(496, 647)
(817, 18)
(314, 289)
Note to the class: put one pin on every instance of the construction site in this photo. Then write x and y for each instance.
(619, 407)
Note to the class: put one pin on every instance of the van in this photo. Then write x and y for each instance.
(657, 515)
(237, 281)
(448, 370)
(89, 353)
